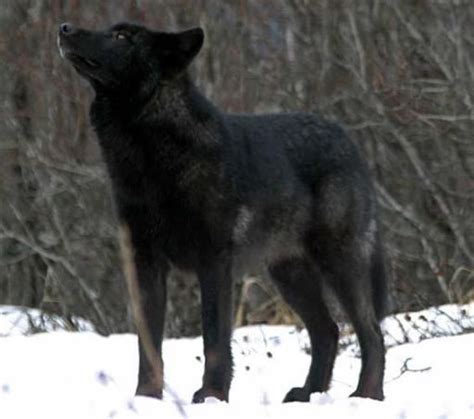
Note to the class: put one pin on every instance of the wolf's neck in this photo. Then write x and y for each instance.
(176, 139)
(185, 109)
(178, 107)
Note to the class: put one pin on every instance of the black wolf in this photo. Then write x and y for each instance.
(222, 195)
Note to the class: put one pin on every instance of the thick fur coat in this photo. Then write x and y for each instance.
(286, 196)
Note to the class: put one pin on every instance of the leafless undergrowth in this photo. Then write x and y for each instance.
(399, 75)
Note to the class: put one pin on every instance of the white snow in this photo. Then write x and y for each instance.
(83, 375)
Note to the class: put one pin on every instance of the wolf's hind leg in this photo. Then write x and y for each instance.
(352, 282)
(299, 285)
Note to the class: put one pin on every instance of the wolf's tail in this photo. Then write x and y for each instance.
(379, 277)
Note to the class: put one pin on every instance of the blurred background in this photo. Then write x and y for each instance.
(399, 75)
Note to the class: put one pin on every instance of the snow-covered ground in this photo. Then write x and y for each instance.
(83, 375)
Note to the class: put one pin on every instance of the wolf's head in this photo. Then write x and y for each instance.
(127, 57)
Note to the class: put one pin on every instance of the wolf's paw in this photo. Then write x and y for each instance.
(375, 394)
(297, 394)
(202, 393)
(149, 390)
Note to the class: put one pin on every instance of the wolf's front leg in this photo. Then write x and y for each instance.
(150, 373)
(146, 276)
(216, 300)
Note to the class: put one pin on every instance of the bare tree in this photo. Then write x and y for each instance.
(399, 75)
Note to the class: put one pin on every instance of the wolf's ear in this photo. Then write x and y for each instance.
(179, 49)
(190, 42)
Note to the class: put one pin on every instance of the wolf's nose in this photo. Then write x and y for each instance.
(66, 29)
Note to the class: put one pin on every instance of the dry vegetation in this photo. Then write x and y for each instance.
(399, 75)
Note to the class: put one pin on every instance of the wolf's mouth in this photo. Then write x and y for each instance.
(82, 61)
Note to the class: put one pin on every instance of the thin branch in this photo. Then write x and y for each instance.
(418, 165)
(428, 250)
(6, 234)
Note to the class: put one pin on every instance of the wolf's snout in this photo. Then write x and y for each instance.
(66, 29)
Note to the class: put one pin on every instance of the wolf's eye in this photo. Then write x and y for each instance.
(120, 35)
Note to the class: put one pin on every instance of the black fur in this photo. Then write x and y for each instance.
(222, 195)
